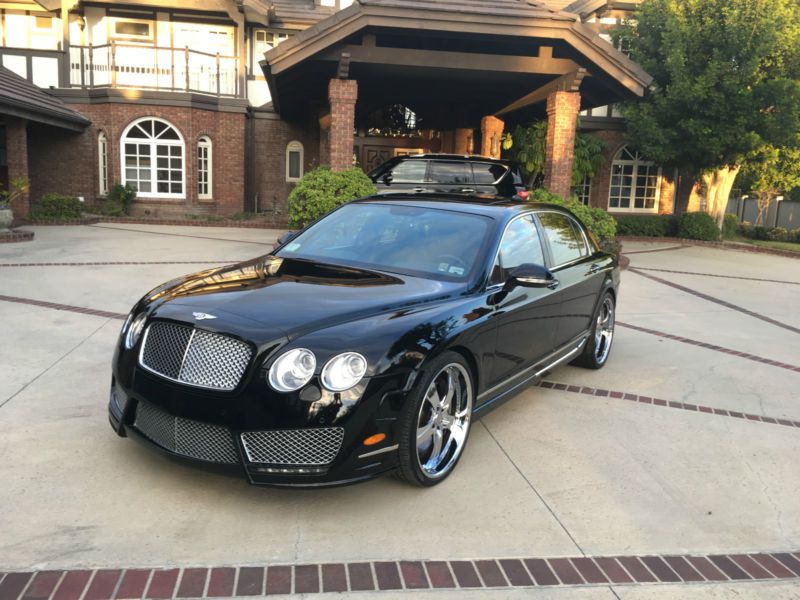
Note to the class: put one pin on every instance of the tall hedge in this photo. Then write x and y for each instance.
(322, 190)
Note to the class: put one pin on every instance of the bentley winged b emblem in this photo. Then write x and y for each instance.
(201, 316)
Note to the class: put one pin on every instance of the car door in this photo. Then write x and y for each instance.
(525, 317)
(579, 276)
(450, 176)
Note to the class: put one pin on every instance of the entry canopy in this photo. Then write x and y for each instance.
(452, 62)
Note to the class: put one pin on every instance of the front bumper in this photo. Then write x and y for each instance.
(263, 446)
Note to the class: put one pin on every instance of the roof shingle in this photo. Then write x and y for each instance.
(19, 97)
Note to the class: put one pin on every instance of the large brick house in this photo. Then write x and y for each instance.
(220, 106)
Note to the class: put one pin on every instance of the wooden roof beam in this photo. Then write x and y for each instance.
(569, 82)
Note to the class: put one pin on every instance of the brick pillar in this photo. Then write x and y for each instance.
(342, 95)
(17, 150)
(491, 132)
(562, 117)
(324, 139)
(463, 143)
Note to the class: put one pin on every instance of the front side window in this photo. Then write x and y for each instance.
(451, 173)
(153, 158)
(420, 241)
(635, 183)
(410, 171)
(294, 161)
(564, 238)
(520, 245)
(102, 163)
(204, 167)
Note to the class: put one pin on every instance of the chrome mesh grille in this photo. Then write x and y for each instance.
(203, 441)
(293, 446)
(194, 356)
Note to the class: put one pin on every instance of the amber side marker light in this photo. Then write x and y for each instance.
(375, 439)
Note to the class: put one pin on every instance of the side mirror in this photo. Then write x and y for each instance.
(285, 238)
(530, 275)
(387, 179)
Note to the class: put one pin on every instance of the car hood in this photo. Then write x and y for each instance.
(292, 296)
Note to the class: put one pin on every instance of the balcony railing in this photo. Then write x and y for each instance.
(152, 67)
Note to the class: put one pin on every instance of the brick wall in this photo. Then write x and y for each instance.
(67, 163)
(271, 136)
(17, 150)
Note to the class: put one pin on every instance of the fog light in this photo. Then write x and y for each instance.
(375, 439)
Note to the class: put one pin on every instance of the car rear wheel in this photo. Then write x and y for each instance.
(435, 425)
(598, 346)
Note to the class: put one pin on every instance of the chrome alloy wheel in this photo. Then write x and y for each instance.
(604, 331)
(443, 420)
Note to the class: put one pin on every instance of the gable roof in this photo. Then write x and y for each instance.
(21, 98)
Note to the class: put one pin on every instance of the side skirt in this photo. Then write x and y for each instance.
(516, 383)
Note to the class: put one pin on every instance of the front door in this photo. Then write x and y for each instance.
(525, 317)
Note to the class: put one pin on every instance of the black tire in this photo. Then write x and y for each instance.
(411, 470)
(598, 347)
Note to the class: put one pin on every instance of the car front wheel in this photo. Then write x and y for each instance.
(435, 425)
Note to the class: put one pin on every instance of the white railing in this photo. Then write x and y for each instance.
(152, 67)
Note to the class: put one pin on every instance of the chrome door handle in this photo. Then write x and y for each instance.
(467, 191)
(554, 284)
(593, 269)
(418, 190)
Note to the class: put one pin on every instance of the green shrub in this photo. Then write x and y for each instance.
(57, 206)
(601, 224)
(778, 234)
(730, 226)
(123, 195)
(647, 225)
(698, 226)
(322, 190)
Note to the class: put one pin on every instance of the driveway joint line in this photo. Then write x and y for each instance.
(58, 360)
(65, 307)
(199, 237)
(719, 301)
(707, 346)
(696, 408)
(717, 275)
(535, 491)
(116, 263)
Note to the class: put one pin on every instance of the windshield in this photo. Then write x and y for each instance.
(420, 241)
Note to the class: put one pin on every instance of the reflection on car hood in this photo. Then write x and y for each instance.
(295, 295)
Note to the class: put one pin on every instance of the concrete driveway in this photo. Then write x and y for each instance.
(672, 472)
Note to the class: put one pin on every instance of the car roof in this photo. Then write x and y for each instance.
(497, 207)
(445, 156)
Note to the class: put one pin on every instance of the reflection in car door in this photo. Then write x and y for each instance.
(525, 317)
(579, 276)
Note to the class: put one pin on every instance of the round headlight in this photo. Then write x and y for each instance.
(292, 370)
(344, 371)
(135, 330)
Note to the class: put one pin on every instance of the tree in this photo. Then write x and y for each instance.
(529, 143)
(725, 85)
(770, 172)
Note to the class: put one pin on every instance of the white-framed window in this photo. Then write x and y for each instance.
(135, 30)
(583, 190)
(294, 161)
(153, 158)
(204, 168)
(267, 40)
(635, 183)
(102, 163)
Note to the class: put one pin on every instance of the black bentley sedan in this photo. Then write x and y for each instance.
(368, 342)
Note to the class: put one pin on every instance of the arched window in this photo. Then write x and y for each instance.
(635, 183)
(102, 163)
(294, 161)
(153, 158)
(204, 167)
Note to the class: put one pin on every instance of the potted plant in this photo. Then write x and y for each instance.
(18, 188)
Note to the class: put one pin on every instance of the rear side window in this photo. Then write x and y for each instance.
(409, 171)
(566, 241)
(449, 172)
(487, 173)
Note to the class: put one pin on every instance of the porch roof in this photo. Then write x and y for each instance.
(21, 98)
(475, 56)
